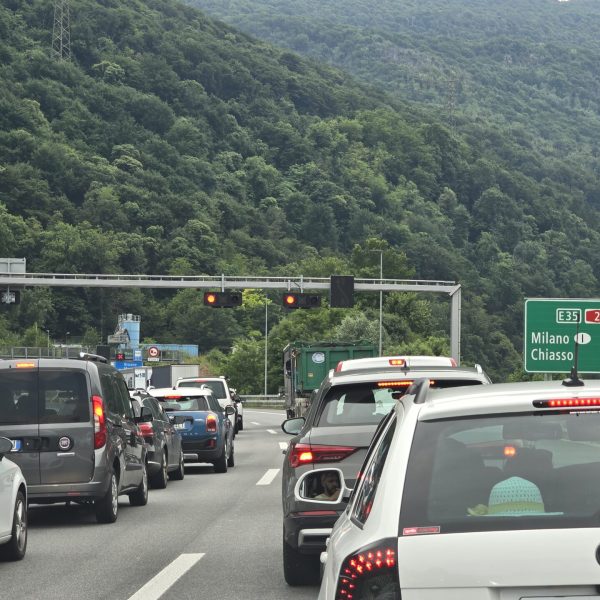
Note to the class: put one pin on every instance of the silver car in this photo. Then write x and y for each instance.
(337, 431)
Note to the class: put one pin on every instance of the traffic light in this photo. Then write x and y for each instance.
(222, 299)
(299, 300)
(341, 291)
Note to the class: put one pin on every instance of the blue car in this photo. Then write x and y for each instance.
(206, 431)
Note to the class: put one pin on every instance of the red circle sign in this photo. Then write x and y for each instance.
(153, 351)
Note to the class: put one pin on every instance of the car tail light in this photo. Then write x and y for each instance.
(370, 573)
(306, 454)
(146, 430)
(211, 424)
(397, 362)
(567, 403)
(99, 422)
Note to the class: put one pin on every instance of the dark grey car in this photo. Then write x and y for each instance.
(75, 435)
(337, 431)
(163, 441)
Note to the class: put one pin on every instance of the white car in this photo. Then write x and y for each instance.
(221, 392)
(13, 506)
(473, 493)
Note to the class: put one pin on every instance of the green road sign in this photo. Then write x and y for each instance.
(551, 325)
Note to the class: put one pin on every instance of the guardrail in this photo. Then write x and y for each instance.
(10, 352)
(262, 401)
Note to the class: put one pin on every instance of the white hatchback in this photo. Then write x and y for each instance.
(477, 493)
(13, 506)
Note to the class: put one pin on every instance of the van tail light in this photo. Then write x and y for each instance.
(211, 424)
(147, 430)
(99, 422)
(306, 454)
(372, 572)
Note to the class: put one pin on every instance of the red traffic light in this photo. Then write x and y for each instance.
(222, 299)
(300, 300)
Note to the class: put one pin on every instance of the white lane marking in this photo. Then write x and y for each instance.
(254, 423)
(272, 431)
(160, 583)
(283, 445)
(264, 412)
(268, 477)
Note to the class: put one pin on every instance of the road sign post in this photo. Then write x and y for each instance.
(551, 327)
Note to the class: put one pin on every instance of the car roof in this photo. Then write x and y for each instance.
(500, 398)
(390, 373)
(399, 361)
(200, 379)
(189, 391)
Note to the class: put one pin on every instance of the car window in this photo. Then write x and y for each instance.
(18, 397)
(217, 387)
(214, 404)
(184, 403)
(64, 397)
(123, 392)
(523, 471)
(368, 480)
(110, 394)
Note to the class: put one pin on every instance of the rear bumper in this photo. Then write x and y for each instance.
(60, 492)
(306, 533)
(202, 449)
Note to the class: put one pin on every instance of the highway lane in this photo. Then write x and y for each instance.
(227, 526)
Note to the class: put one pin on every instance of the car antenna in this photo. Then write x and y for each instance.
(573, 379)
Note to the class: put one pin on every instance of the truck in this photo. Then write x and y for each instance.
(305, 365)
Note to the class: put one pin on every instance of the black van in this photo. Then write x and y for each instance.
(74, 433)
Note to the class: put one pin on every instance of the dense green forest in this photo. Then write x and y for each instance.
(173, 144)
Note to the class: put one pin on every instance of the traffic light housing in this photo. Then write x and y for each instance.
(223, 299)
(300, 300)
(341, 291)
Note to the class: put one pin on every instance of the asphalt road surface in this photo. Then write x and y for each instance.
(210, 536)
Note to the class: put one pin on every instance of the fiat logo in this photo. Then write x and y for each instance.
(64, 443)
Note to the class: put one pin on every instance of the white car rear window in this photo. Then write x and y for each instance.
(522, 471)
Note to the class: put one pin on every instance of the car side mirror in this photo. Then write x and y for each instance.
(229, 410)
(293, 426)
(6, 446)
(322, 486)
(172, 418)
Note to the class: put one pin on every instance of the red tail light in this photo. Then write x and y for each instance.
(211, 424)
(306, 454)
(99, 422)
(370, 573)
(146, 430)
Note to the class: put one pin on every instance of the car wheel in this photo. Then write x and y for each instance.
(140, 496)
(15, 549)
(241, 424)
(160, 480)
(179, 473)
(299, 569)
(221, 462)
(231, 458)
(107, 507)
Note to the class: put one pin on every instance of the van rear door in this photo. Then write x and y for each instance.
(19, 415)
(66, 428)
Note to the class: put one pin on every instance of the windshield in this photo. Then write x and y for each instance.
(368, 403)
(521, 471)
(217, 387)
(184, 403)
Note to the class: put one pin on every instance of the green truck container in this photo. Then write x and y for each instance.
(305, 365)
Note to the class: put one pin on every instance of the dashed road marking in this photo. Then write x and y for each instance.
(254, 423)
(272, 431)
(161, 582)
(268, 477)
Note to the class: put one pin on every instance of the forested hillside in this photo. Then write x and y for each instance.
(173, 144)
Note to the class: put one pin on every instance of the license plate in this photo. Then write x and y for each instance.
(17, 445)
(179, 425)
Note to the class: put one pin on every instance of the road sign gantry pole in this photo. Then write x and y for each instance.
(300, 283)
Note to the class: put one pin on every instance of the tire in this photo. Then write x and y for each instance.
(231, 458)
(241, 424)
(179, 473)
(221, 463)
(15, 549)
(140, 496)
(299, 569)
(107, 507)
(161, 479)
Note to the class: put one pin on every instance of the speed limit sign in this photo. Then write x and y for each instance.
(153, 352)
